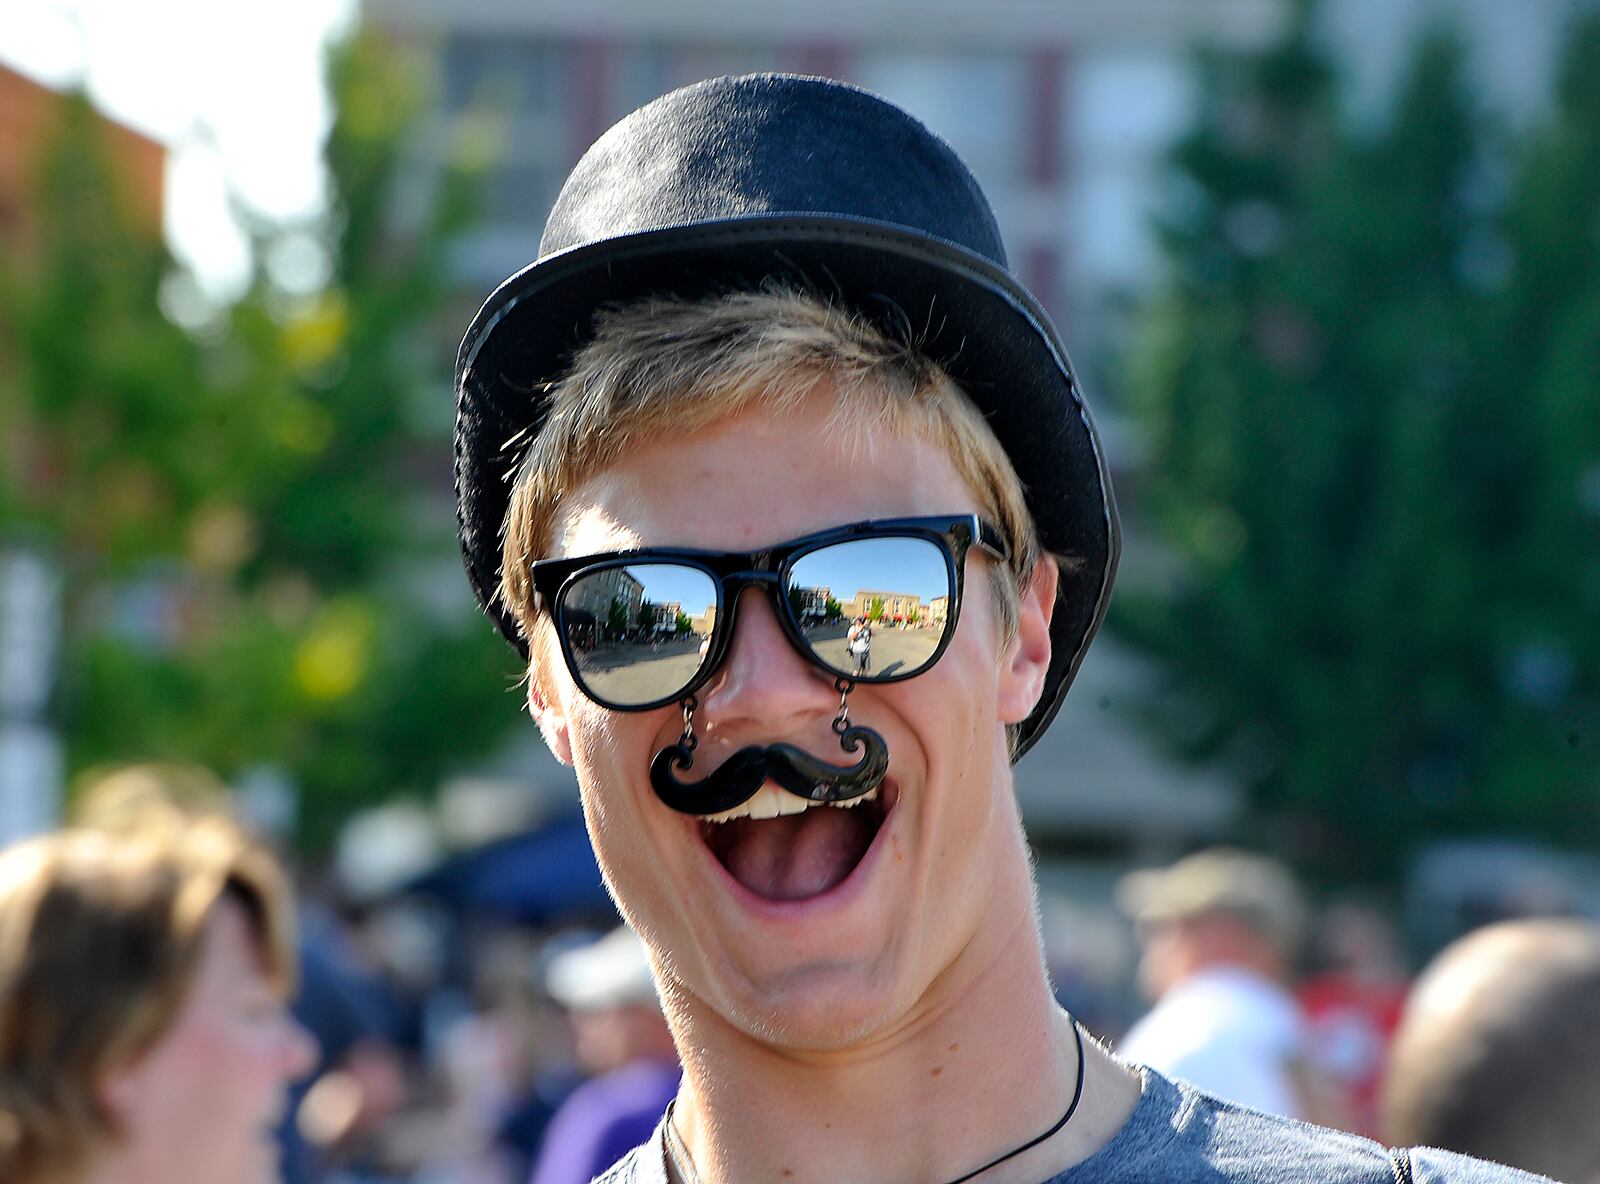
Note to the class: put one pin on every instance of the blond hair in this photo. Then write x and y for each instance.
(137, 797)
(100, 937)
(669, 366)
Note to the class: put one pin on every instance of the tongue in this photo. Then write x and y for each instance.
(797, 855)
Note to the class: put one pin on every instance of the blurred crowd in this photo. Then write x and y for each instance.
(170, 1006)
(1491, 1050)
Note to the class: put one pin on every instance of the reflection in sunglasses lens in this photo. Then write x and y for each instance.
(873, 607)
(638, 632)
(868, 608)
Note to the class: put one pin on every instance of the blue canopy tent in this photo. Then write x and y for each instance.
(544, 876)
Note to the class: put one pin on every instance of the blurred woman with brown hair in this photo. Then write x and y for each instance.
(143, 1029)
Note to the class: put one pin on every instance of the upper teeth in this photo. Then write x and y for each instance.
(770, 801)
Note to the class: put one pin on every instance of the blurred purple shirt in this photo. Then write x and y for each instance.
(603, 1120)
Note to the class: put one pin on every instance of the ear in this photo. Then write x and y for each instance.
(548, 715)
(1028, 659)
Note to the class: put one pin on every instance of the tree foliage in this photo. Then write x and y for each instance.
(250, 516)
(1369, 390)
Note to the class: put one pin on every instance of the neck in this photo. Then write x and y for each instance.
(985, 1062)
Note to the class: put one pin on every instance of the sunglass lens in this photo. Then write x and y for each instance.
(900, 588)
(637, 633)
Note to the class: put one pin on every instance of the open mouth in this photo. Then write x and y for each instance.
(784, 847)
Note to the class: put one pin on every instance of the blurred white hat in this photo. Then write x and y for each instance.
(611, 972)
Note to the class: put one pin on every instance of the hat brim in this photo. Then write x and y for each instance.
(968, 314)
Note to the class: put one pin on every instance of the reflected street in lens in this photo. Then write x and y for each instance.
(638, 632)
(874, 607)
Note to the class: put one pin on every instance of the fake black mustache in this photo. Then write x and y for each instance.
(796, 770)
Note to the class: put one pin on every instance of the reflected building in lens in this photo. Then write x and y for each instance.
(811, 603)
(667, 613)
(896, 606)
(595, 595)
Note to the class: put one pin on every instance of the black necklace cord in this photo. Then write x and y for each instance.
(1072, 1108)
(678, 1151)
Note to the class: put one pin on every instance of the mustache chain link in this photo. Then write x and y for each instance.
(688, 742)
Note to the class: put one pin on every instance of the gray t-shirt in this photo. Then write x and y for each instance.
(1180, 1135)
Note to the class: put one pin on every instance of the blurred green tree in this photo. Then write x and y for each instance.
(253, 517)
(1366, 402)
(103, 443)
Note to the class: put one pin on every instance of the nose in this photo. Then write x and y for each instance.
(764, 683)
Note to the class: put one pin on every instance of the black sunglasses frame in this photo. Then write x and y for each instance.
(731, 572)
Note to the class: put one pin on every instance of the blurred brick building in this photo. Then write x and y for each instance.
(31, 759)
(1061, 109)
(29, 112)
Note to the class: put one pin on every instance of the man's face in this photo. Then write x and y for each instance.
(817, 929)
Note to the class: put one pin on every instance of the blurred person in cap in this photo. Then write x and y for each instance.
(144, 1033)
(623, 1042)
(1218, 932)
(1498, 1051)
(771, 354)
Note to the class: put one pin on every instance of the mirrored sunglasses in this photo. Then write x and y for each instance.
(873, 602)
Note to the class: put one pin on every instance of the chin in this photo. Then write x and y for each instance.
(821, 1016)
(810, 930)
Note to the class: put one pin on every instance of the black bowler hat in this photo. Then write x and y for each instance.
(733, 181)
